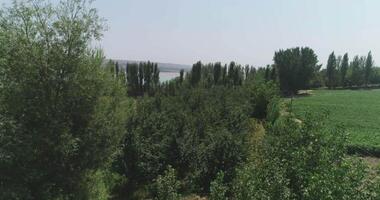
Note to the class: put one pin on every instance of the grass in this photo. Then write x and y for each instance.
(358, 111)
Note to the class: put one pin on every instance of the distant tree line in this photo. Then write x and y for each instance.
(340, 72)
(297, 68)
(140, 78)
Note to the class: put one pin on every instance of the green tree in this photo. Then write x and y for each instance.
(181, 76)
(356, 71)
(167, 186)
(331, 71)
(117, 69)
(304, 160)
(132, 79)
(295, 68)
(62, 115)
(267, 73)
(368, 68)
(196, 73)
(217, 72)
(218, 189)
(343, 69)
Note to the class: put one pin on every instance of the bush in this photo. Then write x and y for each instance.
(99, 184)
(262, 95)
(218, 189)
(303, 159)
(167, 186)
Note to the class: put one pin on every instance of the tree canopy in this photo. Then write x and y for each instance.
(295, 68)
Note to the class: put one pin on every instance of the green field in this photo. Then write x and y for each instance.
(358, 111)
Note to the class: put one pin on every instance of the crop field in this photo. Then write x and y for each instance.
(357, 111)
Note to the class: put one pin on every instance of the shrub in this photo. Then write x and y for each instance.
(303, 159)
(262, 95)
(218, 189)
(167, 186)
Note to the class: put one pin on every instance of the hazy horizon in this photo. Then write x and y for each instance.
(248, 32)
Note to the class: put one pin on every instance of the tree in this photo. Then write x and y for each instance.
(196, 73)
(132, 79)
(368, 68)
(167, 186)
(331, 70)
(217, 72)
(218, 189)
(62, 114)
(356, 71)
(267, 73)
(117, 69)
(303, 161)
(273, 74)
(343, 69)
(295, 68)
(156, 76)
(181, 73)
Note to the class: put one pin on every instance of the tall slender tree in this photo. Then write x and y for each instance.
(343, 69)
(331, 71)
(196, 73)
(356, 71)
(368, 68)
(217, 72)
(181, 73)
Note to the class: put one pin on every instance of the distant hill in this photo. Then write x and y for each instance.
(164, 67)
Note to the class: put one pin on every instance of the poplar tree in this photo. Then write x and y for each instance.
(356, 71)
(196, 73)
(295, 68)
(217, 72)
(343, 69)
(368, 68)
(331, 70)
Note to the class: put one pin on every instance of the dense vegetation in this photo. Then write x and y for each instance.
(61, 115)
(75, 127)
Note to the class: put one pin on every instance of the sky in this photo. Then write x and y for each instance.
(245, 31)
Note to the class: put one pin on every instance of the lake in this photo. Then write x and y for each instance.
(166, 76)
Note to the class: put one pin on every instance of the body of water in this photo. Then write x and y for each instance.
(166, 76)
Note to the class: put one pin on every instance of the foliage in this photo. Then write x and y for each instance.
(62, 116)
(218, 189)
(356, 68)
(331, 71)
(199, 129)
(343, 70)
(167, 186)
(368, 68)
(69, 131)
(142, 78)
(261, 96)
(199, 132)
(303, 160)
(295, 68)
(99, 185)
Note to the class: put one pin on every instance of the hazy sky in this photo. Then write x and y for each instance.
(246, 31)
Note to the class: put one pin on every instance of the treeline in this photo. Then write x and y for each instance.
(297, 69)
(340, 72)
(140, 78)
